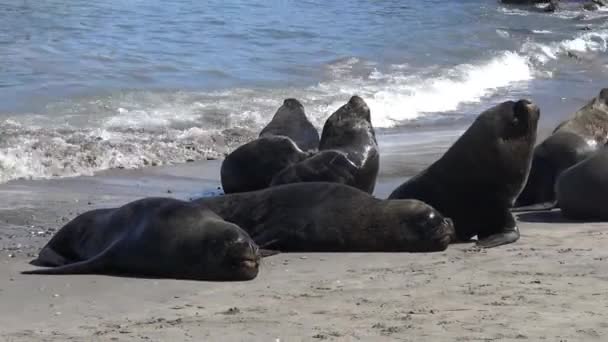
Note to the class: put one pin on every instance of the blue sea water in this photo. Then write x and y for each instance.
(91, 85)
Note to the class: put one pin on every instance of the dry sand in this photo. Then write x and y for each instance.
(551, 285)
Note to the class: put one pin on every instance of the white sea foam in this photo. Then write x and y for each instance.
(137, 129)
(588, 42)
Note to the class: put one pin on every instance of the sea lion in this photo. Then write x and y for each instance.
(154, 237)
(333, 217)
(349, 130)
(581, 189)
(290, 120)
(476, 181)
(253, 165)
(571, 142)
(348, 152)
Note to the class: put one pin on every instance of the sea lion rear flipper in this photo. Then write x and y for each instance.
(49, 258)
(93, 265)
(499, 239)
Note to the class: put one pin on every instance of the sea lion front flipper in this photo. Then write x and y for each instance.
(266, 239)
(545, 206)
(499, 239)
(268, 252)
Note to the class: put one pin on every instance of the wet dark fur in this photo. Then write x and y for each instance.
(581, 189)
(290, 120)
(152, 237)
(332, 217)
(476, 181)
(572, 141)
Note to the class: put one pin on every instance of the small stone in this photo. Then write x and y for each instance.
(232, 311)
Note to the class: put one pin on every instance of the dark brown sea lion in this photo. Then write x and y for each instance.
(476, 181)
(572, 141)
(153, 237)
(348, 152)
(290, 120)
(324, 166)
(581, 189)
(332, 217)
(252, 166)
(349, 130)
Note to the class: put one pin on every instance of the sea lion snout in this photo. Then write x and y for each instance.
(244, 252)
(526, 109)
(446, 232)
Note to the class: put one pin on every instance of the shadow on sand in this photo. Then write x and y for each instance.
(549, 216)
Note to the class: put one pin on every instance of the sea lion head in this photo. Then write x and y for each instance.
(512, 121)
(419, 226)
(228, 252)
(355, 108)
(601, 100)
(292, 103)
(291, 109)
(499, 144)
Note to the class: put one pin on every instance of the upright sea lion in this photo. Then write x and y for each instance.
(349, 130)
(253, 165)
(157, 237)
(348, 152)
(332, 217)
(476, 181)
(581, 189)
(572, 141)
(290, 120)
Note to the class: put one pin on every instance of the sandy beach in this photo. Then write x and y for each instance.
(550, 285)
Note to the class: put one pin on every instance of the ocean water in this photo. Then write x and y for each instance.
(92, 85)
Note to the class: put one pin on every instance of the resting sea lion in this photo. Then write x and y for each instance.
(253, 165)
(155, 237)
(290, 120)
(572, 141)
(581, 189)
(324, 166)
(332, 217)
(476, 181)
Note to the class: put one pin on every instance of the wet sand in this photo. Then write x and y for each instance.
(551, 285)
